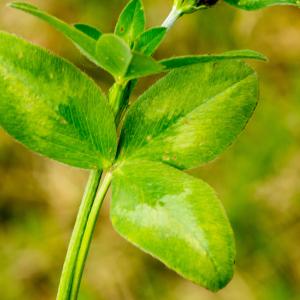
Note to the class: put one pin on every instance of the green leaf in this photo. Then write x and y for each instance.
(176, 218)
(131, 22)
(141, 66)
(107, 51)
(257, 4)
(51, 107)
(82, 41)
(191, 115)
(181, 61)
(89, 30)
(149, 40)
(115, 56)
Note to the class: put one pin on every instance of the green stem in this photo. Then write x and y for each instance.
(118, 98)
(116, 94)
(77, 235)
(88, 234)
(91, 203)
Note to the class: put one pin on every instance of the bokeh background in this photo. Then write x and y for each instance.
(258, 178)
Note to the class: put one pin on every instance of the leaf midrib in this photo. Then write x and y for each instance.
(133, 18)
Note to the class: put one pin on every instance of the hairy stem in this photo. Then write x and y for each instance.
(88, 234)
(77, 236)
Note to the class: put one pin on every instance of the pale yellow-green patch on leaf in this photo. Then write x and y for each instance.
(176, 218)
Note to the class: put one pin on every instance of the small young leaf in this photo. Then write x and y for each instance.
(51, 107)
(141, 66)
(82, 41)
(257, 4)
(149, 40)
(176, 218)
(191, 115)
(115, 56)
(181, 61)
(89, 30)
(131, 22)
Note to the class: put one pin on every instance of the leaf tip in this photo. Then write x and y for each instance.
(11, 4)
(21, 5)
(262, 57)
(221, 279)
(252, 54)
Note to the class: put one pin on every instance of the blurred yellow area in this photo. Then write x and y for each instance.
(258, 178)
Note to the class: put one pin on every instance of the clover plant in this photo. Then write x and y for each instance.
(183, 121)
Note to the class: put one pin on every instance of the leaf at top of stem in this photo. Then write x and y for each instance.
(52, 108)
(149, 40)
(115, 56)
(257, 4)
(131, 22)
(107, 51)
(142, 66)
(84, 42)
(191, 115)
(176, 218)
(89, 30)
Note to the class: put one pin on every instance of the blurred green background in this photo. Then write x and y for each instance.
(258, 178)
